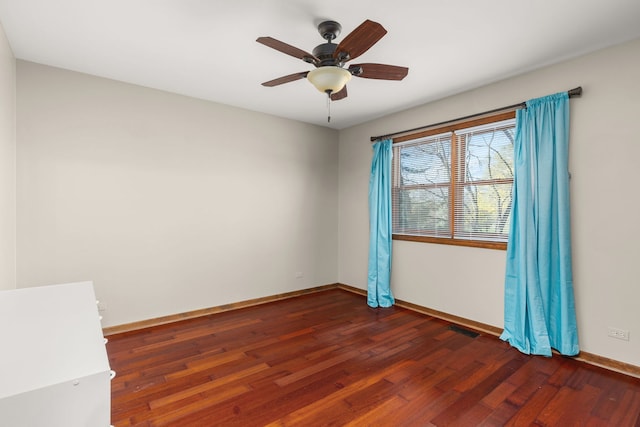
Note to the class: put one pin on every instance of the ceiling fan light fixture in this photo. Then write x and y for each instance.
(329, 79)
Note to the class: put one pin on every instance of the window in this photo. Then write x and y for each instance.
(474, 207)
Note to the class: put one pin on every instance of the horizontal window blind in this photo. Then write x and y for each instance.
(484, 182)
(455, 185)
(421, 186)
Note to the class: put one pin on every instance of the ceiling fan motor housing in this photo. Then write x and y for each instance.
(324, 52)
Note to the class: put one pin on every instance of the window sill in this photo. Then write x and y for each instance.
(454, 242)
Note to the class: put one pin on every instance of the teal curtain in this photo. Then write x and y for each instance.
(539, 301)
(379, 277)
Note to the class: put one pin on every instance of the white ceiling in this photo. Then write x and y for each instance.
(207, 49)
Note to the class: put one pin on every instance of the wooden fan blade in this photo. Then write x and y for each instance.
(341, 94)
(286, 79)
(288, 49)
(359, 40)
(380, 71)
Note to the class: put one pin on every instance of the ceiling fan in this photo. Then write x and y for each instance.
(330, 75)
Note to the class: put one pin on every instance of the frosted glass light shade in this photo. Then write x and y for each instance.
(329, 78)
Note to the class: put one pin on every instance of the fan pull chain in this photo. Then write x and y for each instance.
(328, 107)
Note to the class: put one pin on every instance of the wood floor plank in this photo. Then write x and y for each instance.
(499, 416)
(307, 414)
(383, 415)
(527, 414)
(173, 418)
(526, 389)
(473, 396)
(568, 407)
(318, 367)
(499, 395)
(208, 386)
(627, 412)
(329, 359)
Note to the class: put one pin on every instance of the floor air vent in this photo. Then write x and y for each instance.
(463, 331)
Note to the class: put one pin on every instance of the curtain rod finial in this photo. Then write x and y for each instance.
(575, 92)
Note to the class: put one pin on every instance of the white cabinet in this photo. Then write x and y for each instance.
(54, 369)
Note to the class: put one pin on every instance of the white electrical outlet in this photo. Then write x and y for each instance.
(621, 334)
(299, 275)
(101, 306)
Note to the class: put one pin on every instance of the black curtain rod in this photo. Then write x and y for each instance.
(572, 93)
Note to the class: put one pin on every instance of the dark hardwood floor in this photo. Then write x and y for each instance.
(328, 359)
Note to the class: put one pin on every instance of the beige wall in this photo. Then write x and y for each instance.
(604, 157)
(7, 165)
(168, 203)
